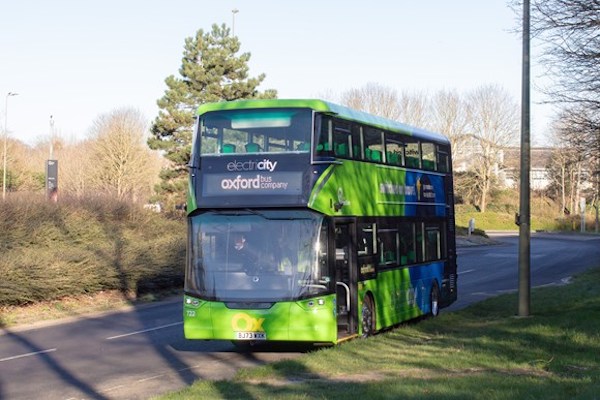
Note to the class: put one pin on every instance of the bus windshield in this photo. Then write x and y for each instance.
(263, 256)
(277, 130)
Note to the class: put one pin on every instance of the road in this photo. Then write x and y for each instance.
(140, 353)
(486, 271)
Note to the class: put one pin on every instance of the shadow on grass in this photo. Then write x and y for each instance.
(472, 385)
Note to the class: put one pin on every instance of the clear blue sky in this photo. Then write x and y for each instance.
(76, 59)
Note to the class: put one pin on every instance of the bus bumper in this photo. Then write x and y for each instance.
(311, 320)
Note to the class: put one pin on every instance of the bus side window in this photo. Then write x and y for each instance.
(388, 239)
(420, 242)
(413, 154)
(408, 253)
(355, 132)
(342, 140)
(428, 156)
(324, 137)
(394, 151)
(434, 242)
(365, 240)
(442, 159)
(373, 143)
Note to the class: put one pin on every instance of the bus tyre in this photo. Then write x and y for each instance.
(368, 317)
(434, 301)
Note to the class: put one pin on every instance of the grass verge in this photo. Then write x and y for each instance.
(482, 352)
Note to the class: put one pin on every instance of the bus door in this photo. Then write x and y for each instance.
(346, 278)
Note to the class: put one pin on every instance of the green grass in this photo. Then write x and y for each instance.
(500, 214)
(498, 220)
(482, 352)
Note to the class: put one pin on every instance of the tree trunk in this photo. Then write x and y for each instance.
(562, 190)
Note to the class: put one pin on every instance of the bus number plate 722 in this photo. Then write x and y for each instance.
(251, 336)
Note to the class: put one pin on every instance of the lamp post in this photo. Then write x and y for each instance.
(51, 137)
(9, 94)
(233, 12)
(524, 217)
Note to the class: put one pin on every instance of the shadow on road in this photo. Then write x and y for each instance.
(46, 357)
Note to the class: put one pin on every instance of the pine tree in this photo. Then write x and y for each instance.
(211, 70)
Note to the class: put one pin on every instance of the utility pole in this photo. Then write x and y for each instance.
(524, 216)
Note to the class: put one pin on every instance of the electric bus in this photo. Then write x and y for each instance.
(309, 221)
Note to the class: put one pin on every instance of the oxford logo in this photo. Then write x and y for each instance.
(244, 323)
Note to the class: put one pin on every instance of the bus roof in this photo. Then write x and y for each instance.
(326, 107)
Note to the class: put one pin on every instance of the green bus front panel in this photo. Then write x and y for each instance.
(311, 320)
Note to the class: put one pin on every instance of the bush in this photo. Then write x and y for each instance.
(52, 250)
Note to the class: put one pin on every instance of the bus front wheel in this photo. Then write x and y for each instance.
(368, 317)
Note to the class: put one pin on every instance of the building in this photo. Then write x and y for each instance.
(510, 165)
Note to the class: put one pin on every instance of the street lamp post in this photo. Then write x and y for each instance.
(525, 185)
(233, 12)
(9, 94)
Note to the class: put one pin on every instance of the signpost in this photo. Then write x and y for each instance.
(52, 180)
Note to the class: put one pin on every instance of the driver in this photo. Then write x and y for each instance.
(246, 253)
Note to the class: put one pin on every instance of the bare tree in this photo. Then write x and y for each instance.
(578, 159)
(412, 108)
(415, 109)
(76, 168)
(493, 121)
(562, 166)
(122, 164)
(374, 99)
(20, 173)
(450, 118)
(570, 31)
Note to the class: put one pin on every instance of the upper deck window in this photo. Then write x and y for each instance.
(428, 156)
(373, 144)
(278, 130)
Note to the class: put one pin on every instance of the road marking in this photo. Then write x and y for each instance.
(35, 353)
(506, 291)
(112, 389)
(145, 330)
(150, 378)
(466, 272)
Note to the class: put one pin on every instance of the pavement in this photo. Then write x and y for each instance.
(474, 240)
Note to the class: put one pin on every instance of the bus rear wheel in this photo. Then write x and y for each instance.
(434, 301)
(368, 317)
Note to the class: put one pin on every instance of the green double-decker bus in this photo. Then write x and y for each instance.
(313, 222)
